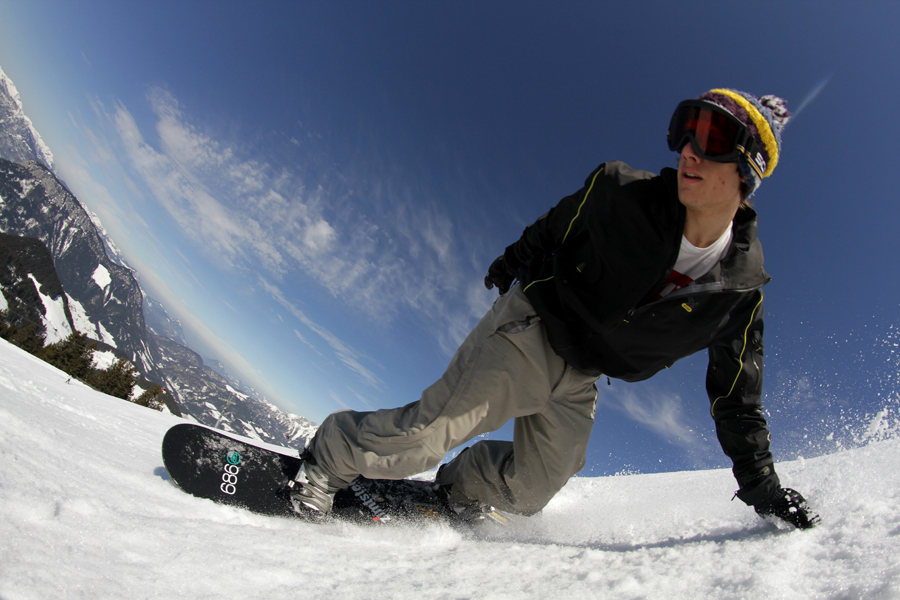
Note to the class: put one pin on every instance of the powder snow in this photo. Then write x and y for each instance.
(88, 511)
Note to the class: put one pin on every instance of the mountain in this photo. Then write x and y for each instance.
(19, 140)
(101, 519)
(159, 323)
(35, 204)
(211, 399)
(31, 290)
(101, 296)
(107, 303)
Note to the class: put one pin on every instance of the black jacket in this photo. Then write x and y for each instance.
(591, 267)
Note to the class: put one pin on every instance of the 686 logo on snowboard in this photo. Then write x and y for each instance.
(231, 469)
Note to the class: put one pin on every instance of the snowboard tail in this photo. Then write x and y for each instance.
(209, 464)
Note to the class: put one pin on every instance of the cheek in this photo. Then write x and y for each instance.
(728, 180)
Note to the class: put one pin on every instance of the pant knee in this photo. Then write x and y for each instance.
(488, 472)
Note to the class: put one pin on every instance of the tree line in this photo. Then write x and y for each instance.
(75, 357)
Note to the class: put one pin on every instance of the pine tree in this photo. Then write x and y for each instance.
(117, 380)
(30, 338)
(26, 335)
(72, 355)
(152, 398)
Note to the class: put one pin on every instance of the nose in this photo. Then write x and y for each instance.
(687, 153)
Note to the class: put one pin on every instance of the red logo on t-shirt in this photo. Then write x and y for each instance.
(674, 282)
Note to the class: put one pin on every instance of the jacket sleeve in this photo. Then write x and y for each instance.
(734, 385)
(547, 234)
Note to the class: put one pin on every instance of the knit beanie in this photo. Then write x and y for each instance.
(765, 118)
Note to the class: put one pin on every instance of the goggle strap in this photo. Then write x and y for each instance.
(750, 160)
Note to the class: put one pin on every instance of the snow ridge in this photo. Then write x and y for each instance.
(30, 137)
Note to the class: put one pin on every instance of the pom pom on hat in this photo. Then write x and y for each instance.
(764, 118)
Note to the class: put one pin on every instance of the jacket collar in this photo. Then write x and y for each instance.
(742, 268)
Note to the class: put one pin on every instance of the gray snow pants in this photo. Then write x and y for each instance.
(505, 369)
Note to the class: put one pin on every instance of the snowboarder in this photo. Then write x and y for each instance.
(621, 279)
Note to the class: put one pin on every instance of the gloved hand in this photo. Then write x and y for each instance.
(499, 274)
(789, 506)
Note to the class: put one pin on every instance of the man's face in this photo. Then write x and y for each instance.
(707, 185)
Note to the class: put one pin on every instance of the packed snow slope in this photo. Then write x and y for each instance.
(87, 511)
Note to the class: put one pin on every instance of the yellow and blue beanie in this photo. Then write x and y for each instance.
(764, 118)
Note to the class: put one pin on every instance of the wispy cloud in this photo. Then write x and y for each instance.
(363, 400)
(812, 95)
(303, 339)
(660, 412)
(379, 244)
(337, 399)
(347, 355)
(175, 179)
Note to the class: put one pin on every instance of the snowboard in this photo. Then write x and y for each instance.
(211, 464)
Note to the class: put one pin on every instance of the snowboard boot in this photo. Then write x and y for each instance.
(311, 493)
(468, 512)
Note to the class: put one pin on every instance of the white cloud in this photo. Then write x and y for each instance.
(383, 248)
(661, 412)
(180, 178)
(347, 355)
(379, 245)
(180, 142)
(319, 235)
(363, 400)
(307, 342)
(337, 399)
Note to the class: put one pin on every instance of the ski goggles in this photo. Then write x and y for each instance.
(714, 133)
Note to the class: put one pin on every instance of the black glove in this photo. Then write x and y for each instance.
(499, 274)
(788, 505)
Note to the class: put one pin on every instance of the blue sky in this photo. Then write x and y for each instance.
(317, 188)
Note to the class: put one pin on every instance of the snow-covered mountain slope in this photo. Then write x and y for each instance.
(88, 512)
(106, 302)
(30, 289)
(102, 293)
(19, 140)
(36, 204)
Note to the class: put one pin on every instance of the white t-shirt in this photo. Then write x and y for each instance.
(694, 262)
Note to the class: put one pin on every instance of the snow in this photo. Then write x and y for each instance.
(89, 512)
(103, 359)
(56, 324)
(80, 318)
(233, 391)
(105, 336)
(101, 277)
